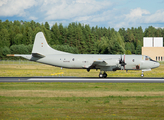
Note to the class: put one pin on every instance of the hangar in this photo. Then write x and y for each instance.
(153, 47)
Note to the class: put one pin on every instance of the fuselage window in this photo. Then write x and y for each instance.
(73, 59)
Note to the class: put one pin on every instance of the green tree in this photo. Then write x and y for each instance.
(66, 48)
(1, 25)
(47, 34)
(122, 32)
(80, 42)
(17, 23)
(47, 26)
(5, 51)
(30, 36)
(55, 34)
(130, 46)
(7, 24)
(129, 36)
(120, 40)
(29, 48)
(4, 38)
(158, 32)
(18, 39)
(37, 29)
(117, 48)
(31, 24)
(18, 49)
(104, 46)
(138, 36)
(1, 53)
(62, 34)
(138, 50)
(128, 52)
(149, 32)
(16, 29)
(71, 35)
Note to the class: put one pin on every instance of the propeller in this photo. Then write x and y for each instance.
(122, 63)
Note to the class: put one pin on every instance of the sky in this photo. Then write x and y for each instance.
(102, 13)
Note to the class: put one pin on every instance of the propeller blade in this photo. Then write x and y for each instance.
(122, 62)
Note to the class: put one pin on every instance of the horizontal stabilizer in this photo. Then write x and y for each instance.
(38, 55)
(17, 55)
(20, 55)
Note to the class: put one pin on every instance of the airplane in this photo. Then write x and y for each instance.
(43, 53)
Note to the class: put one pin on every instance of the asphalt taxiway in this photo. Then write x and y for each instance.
(82, 79)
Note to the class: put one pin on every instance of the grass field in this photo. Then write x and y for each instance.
(79, 100)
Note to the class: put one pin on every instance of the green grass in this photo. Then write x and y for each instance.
(81, 101)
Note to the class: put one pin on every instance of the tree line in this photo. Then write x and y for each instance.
(17, 37)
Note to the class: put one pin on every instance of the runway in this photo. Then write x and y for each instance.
(82, 79)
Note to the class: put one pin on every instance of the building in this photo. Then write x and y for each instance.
(153, 47)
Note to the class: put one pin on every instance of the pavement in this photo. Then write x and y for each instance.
(83, 79)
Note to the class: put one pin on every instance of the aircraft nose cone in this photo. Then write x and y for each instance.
(156, 64)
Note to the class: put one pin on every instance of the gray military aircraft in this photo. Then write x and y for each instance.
(43, 53)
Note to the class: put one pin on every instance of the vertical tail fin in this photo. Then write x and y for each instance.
(41, 46)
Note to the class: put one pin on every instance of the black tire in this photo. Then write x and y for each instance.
(104, 75)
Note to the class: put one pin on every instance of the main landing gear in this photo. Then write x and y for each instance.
(103, 75)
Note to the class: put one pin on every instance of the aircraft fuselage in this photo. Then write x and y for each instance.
(83, 61)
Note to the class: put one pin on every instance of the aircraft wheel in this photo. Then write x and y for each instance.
(100, 75)
(142, 75)
(104, 75)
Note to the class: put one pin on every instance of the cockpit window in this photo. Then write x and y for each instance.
(148, 58)
(151, 59)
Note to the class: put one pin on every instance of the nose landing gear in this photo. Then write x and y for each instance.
(103, 75)
(142, 75)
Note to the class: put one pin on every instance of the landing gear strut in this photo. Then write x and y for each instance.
(142, 75)
(104, 75)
